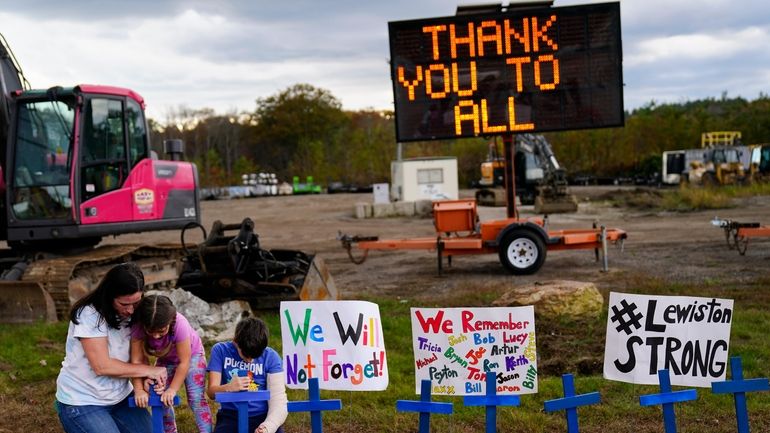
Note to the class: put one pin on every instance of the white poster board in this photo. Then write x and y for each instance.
(454, 348)
(338, 342)
(689, 336)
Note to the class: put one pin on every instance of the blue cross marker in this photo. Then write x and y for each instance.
(315, 405)
(739, 387)
(241, 400)
(157, 409)
(424, 406)
(570, 402)
(667, 398)
(491, 400)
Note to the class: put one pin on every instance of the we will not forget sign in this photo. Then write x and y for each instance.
(689, 336)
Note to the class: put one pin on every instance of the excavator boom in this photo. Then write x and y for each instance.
(540, 179)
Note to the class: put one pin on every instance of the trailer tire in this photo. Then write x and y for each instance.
(522, 251)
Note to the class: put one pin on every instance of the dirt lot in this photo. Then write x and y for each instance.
(668, 247)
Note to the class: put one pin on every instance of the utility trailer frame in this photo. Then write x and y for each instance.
(521, 244)
(738, 234)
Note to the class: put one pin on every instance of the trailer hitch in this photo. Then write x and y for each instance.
(735, 239)
(347, 242)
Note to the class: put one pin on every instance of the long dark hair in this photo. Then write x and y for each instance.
(155, 312)
(123, 279)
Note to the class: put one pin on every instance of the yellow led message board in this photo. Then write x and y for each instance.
(528, 70)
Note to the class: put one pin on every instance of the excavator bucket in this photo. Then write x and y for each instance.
(25, 302)
(318, 284)
(551, 205)
(235, 267)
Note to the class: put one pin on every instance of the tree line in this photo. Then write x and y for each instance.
(303, 130)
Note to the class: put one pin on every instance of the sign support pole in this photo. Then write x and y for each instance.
(510, 175)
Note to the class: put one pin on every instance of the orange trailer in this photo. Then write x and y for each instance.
(521, 244)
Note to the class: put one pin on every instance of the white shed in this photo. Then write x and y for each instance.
(433, 178)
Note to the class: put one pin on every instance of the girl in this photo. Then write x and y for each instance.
(159, 331)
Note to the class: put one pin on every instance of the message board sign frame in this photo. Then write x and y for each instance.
(548, 76)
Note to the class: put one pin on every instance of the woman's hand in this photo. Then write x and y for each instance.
(141, 398)
(159, 376)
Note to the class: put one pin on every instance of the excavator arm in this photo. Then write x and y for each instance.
(11, 80)
(552, 192)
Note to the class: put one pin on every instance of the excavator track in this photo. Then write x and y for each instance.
(67, 279)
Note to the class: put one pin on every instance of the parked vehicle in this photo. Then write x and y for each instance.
(759, 168)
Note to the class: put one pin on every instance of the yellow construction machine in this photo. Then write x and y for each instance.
(722, 160)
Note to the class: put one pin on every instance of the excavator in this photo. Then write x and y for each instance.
(76, 166)
(540, 180)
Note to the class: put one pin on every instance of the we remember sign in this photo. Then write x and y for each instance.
(455, 348)
(688, 336)
(338, 342)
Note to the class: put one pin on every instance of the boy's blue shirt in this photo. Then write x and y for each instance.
(225, 360)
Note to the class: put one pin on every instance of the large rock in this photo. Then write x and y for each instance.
(213, 322)
(556, 298)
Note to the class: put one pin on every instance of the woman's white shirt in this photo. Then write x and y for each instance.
(78, 384)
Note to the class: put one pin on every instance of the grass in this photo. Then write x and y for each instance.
(27, 385)
(686, 198)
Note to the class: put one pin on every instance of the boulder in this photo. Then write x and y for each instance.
(423, 208)
(382, 210)
(556, 298)
(363, 210)
(213, 322)
(404, 208)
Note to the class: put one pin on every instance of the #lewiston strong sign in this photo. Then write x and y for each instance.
(519, 70)
(689, 336)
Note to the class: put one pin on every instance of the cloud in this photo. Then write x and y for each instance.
(226, 54)
(699, 46)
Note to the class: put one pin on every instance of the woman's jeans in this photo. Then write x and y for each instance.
(118, 418)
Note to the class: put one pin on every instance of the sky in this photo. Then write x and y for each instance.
(225, 54)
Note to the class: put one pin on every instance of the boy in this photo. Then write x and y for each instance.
(247, 364)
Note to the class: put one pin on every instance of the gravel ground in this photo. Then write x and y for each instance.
(667, 247)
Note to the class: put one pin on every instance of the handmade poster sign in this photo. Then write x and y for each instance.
(338, 342)
(688, 336)
(454, 348)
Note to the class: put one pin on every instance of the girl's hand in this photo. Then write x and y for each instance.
(141, 398)
(159, 388)
(239, 384)
(168, 397)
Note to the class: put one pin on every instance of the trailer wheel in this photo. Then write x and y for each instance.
(522, 252)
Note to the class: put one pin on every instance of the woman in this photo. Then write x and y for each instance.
(94, 382)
